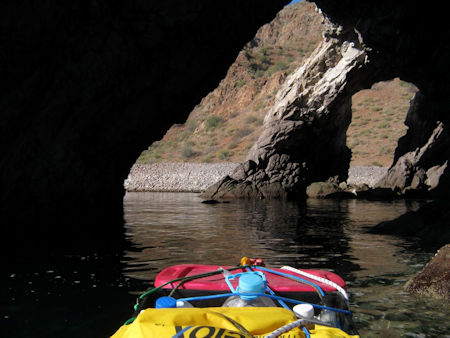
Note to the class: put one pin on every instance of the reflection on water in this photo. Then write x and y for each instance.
(175, 228)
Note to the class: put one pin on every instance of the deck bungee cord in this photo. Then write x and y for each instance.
(298, 279)
(182, 280)
(282, 303)
(320, 279)
(189, 278)
(247, 300)
(228, 276)
(298, 323)
(289, 300)
(257, 269)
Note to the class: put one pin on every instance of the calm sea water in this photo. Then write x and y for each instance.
(92, 295)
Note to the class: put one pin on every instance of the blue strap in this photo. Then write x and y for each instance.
(314, 285)
(289, 300)
(180, 333)
(283, 304)
(305, 330)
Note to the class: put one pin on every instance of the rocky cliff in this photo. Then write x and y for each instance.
(303, 139)
(304, 136)
(228, 121)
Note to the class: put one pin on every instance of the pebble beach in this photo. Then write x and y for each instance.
(196, 177)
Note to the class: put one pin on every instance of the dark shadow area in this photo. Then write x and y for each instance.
(65, 295)
(84, 87)
(427, 227)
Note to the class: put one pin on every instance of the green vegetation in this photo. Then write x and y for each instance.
(187, 151)
(191, 125)
(242, 132)
(376, 108)
(280, 65)
(385, 151)
(213, 122)
(251, 119)
(259, 73)
(239, 83)
(224, 155)
(233, 145)
(383, 125)
(260, 105)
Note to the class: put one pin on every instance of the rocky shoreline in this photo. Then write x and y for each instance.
(197, 177)
(176, 177)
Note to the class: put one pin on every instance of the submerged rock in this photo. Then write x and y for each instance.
(321, 189)
(330, 190)
(434, 280)
(210, 202)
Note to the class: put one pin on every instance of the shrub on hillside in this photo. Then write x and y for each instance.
(242, 132)
(187, 151)
(251, 119)
(239, 83)
(224, 155)
(213, 122)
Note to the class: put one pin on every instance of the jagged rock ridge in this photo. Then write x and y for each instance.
(304, 136)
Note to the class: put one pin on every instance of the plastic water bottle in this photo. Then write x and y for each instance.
(249, 283)
(170, 302)
(304, 311)
(184, 304)
(166, 303)
(328, 316)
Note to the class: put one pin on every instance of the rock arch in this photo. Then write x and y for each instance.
(304, 132)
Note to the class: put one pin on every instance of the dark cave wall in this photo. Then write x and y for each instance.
(85, 87)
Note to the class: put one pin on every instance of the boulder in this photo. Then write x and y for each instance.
(434, 280)
(321, 189)
(421, 169)
(229, 188)
(434, 174)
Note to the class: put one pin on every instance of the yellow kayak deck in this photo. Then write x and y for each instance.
(220, 322)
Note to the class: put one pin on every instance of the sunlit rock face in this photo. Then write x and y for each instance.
(304, 132)
(85, 86)
(411, 42)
